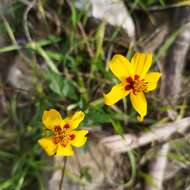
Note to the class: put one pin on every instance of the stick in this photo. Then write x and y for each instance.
(62, 173)
(157, 168)
(117, 144)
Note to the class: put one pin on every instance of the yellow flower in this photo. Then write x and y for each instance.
(134, 80)
(64, 134)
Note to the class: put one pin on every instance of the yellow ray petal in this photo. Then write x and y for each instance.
(121, 67)
(64, 151)
(142, 63)
(152, 79)
(75, 119)
(139, 103)
(79, 138)
(48, 145)
(117, 93)
(51, 118)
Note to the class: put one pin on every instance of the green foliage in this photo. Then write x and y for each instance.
(59, 85)
(85, 173)
(148, 178)
(97, 115)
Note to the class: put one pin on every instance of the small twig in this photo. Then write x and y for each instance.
(3, 106)
(12, 37)
(89, 49)
(63, 173)
(84, 35)
(8, 28)
(25, 18)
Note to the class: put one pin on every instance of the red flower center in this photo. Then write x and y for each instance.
(62, 135)
(66, 126)
(136, 84)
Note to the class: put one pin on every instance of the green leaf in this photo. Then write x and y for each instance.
(96, 115)
(74, 15)
(61, 86)
(9, 48)
(132, 160)
(20, 181)
(148, 178)
(117, 127)
(43, 53)
(6, 184)
(6, 155)
(85, 173)
(100, 39)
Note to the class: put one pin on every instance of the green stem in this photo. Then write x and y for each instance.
(63, 173)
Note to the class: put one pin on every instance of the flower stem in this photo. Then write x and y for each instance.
(63, 173)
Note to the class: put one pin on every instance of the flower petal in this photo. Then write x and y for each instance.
(64, 151)
(139, 103)
(142, 63)
(79, 138)
(117, 93)
(51, 118)
(75, 119)
(152, 79)
(48, 145)
(121, 67)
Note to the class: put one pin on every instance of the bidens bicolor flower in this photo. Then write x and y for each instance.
(134, 80)
(64, 134)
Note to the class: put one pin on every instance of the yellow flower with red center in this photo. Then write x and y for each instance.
(64, 133)
(135, 80)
